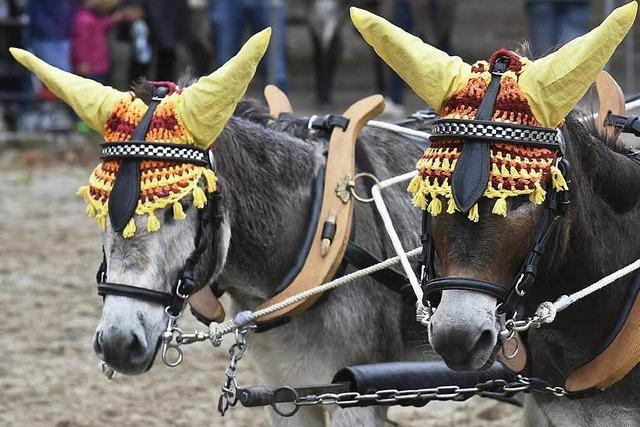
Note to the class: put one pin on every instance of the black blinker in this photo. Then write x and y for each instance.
(125, 193)
(471, 175)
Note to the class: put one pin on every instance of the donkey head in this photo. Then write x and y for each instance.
(484, 197)
(151, 245)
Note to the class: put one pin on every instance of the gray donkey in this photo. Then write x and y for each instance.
(266, 178)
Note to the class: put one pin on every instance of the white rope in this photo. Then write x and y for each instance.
(398, 129)
(565, 301)
(230, 325)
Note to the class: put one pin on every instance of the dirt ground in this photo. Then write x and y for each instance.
(49, 375)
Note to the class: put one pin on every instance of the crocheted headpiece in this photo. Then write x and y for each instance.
(193, 116)
(533, 93)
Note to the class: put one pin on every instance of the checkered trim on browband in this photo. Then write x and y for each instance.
(152, 151)
(489, 130)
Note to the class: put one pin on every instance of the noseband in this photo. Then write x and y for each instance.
(476, 135)
(124, 197)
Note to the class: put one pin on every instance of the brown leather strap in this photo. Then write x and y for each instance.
(610, 366)
(340, 169)
(611, 100)
(207, 306)
(518, 362)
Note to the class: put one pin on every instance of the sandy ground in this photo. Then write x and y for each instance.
(49, 374)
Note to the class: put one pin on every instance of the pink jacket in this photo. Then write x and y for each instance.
(89, 42)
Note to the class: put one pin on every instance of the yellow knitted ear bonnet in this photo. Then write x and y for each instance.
(534, 93)
(194, 116)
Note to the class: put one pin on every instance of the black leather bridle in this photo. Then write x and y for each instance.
(468, 185)
(124, 197)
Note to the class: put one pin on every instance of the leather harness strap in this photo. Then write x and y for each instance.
(622, 353)
(340, 169)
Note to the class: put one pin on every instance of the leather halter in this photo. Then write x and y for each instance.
(122, 198)
(469, 182)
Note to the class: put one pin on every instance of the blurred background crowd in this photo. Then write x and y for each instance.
(118, 42)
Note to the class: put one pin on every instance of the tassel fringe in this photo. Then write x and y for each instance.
(415, 184)
(500, 207)
(153, 223)
(130, 230)
(199, 198)
(212, 180)
(435, 206)
(558, 180)
(102, 221)
(178, 212)
(419, 200)
(473, 214)
(451, 206)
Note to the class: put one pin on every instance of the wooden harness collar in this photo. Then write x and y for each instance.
(327, 248)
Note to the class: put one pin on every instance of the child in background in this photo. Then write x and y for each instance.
(90, 54)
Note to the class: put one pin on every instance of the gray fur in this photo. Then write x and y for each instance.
(266, 178)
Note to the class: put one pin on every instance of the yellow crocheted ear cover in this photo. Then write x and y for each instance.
(193, 116)
(554, 84)
(206, 106)
(162, 184)
(515, 170)
(92, 101)
(432, 74)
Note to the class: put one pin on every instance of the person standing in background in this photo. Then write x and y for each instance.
(438, 15)
(228, 19)
(167, 21)
(90, 54)
(50, 31)
(553, 23)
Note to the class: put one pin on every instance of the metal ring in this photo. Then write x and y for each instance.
(175, 361)
(285, 395)
(352, 186)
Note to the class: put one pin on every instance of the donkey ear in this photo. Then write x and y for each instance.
(206, 106)
(432, 74)
(92, 101)
(554, 84)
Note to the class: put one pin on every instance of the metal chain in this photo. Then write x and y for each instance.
(392, 396)
(229, 396)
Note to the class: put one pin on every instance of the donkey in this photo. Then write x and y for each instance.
(486, 241)
(266, 178)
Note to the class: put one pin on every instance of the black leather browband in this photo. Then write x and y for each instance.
(486, 130)
(162, 151)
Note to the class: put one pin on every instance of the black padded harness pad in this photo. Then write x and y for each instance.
(415, 375)
(471, 175)
(125, 193)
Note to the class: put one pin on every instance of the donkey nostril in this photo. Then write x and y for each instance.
(97, 343)
(137, 346)
(485, 340)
